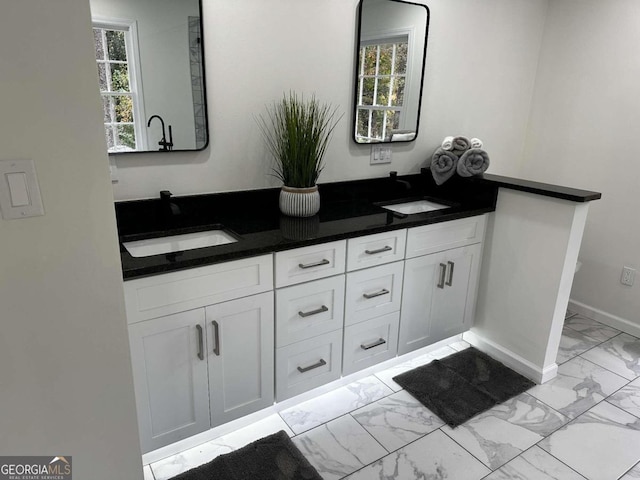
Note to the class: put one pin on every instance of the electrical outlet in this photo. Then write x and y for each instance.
(628, 276)
(380, 155)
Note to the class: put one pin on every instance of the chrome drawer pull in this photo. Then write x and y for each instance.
(322, 309)
(324, 261)
(381, 341)
(200, 342)
(450, 280)
(443, 272)
(216, 334)
(384, 291)
(379, 250)
(311, 367)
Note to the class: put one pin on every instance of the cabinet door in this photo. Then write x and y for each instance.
(170, 377)
(454, 309)
(439, 294)
(240, 336)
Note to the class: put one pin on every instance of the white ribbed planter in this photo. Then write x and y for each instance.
(299, 202)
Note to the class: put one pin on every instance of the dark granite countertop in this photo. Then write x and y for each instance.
(348, 209)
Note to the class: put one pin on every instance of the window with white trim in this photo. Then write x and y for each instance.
(119, 90)
(381, 82)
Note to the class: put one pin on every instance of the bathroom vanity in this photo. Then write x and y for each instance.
(286, 305)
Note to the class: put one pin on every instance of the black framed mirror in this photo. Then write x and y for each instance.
(150, 60)
(390, 60)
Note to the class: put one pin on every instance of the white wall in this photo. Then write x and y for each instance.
(481, 62)
(65, 374)
(163, 36)
(584, 132)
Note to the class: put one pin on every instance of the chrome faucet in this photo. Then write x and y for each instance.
(166, 146)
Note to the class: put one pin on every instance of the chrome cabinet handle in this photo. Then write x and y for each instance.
(377, 343)
(200, 342)
(443, 272)
(384, 291)
(324, 261)
(386, 248)
(322, 309)
(450, 280)
(216, 335)
(311, 367)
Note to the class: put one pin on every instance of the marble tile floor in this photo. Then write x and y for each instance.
(584, 424)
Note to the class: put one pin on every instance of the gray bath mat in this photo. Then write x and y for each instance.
(271, 458)
(463, 385)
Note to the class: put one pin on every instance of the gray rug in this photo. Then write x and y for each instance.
(463, 385)
(271, 458)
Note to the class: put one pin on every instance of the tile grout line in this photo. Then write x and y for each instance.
(607, 369)
(632, 467)
(531, 447)
(551, 433)
(602, 326)
(574, 419)
(562, 462)
(465, 449)
(342, 414)
(588, 349)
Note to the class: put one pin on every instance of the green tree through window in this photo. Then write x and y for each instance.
(381, 82)
(115, 88)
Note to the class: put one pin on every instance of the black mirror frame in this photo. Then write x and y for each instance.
(205, 105)
(356, 70)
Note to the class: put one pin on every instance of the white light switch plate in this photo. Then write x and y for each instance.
(19, 190)
(380, 155)
(113, 169)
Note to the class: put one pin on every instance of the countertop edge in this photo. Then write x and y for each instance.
(544, 189)
(142, 272)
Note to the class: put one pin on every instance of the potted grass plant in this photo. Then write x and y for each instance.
(297, 132)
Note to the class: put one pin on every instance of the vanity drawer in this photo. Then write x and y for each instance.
(308, 364)
(370, 342)
(378, 249)
(443, 236)
(310, 263)
(168, 293)
(309, 309)
(373, 292)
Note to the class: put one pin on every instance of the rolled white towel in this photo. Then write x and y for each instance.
(447, 143)
(476, 143)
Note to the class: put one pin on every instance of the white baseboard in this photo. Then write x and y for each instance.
(510, 359)
(627, 326)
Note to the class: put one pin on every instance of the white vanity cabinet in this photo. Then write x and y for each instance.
(309, 317)
(170, 377)
(212, 360)
(215, 343)
(240, 356)
(373, 297)
(440, 281)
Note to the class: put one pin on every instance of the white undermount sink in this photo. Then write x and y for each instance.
(178, 243)
(417, 206)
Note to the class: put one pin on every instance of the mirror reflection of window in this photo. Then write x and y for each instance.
(381, 82)
(119, 90)
(389, 70)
